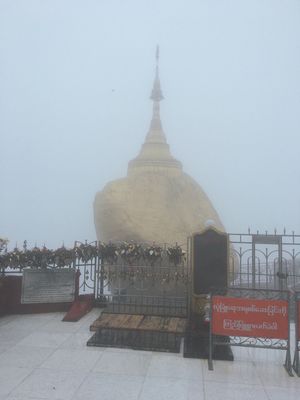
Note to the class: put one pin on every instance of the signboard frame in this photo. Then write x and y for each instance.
(270, 297)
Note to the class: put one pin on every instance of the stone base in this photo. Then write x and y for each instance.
(136, 340)
(196, 345)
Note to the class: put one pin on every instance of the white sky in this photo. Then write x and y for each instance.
(75, 80)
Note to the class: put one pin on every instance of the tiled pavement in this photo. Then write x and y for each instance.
(42, 357)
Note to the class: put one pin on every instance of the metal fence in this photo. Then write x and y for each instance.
(257, 261)
(168, 306)
(264, 261)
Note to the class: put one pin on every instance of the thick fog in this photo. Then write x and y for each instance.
(75, 81)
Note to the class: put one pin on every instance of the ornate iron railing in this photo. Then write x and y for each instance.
(264, 261)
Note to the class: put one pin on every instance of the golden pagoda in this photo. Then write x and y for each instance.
(156, 201)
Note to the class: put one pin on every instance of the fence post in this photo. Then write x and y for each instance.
(253, 272)
(77, 278)
(210, 346)
(296, 363)
(100, 259)
(288, 361)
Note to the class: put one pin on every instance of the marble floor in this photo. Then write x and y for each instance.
(42, 357)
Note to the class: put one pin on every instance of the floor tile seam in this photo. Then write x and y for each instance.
(95, 362)
(46, 323)
(44, 332)
(120, 374)
(37, 366)
(231, 383)
(274, 387)
(82, 323)
(62, 343)
(258, 374)
(87, 375)
(41, 396)
(21, 397)
(30, 346)
(267, 397)
(7, 322)
(85, 369)
(203, 384)
(26, 331)
(275, 365)
(204, 391)
(148, 366)
(44, 347)
(55, 332)
(20, 383)
(268, 359)
(90, 369)
(266, 393)
(141, 389)
(49, 355)
(184, 378)
(293, 384)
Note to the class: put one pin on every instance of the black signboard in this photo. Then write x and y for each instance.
(210, 261)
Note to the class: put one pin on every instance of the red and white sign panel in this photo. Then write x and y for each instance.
(250, 317)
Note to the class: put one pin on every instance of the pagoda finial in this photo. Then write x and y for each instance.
(155, 152)
(156, 94)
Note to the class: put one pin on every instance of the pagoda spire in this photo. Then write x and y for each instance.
(156, 133)
(156, 94)
(155, 152)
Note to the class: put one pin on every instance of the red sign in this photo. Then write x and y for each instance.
(250, 317)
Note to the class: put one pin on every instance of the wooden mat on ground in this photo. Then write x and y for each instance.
(140, 322)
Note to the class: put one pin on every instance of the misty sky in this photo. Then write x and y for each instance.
(75, 81)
